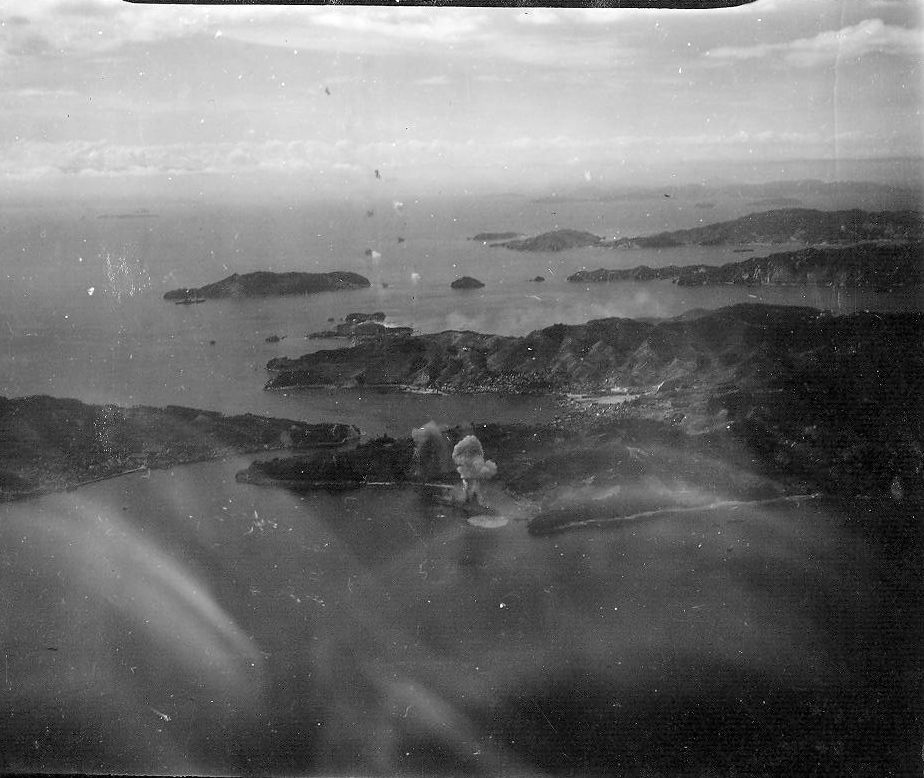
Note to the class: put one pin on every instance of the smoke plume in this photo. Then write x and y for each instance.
(472, 466)
(431, 451)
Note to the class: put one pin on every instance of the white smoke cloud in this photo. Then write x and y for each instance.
(431, 451)
(472, 467)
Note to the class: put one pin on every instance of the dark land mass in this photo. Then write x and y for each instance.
(593, 357)
(383, 460)
(467, 282)
(790, 225)
(50, 444)
(877, 265)
(488, 236)
(558, 240)
(821, 403)
(263, 283)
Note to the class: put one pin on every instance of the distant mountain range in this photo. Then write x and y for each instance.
(869, 194)
(263, 283)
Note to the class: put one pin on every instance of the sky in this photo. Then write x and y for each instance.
(102, 96)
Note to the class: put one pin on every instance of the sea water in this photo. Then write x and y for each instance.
(181, 621)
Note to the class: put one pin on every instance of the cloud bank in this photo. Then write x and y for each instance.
(871, 36)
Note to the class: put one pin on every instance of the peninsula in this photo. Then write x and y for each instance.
(713, 348)
(263, 283)
(877, 265)
(790, 225)
(784, 225)
(52, 444)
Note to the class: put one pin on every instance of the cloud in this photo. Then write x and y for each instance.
(867, 37)
(433, 81)
(353, 161)
(553, 38)
(28, 93)
(91, 26)
(448, 25)
(30, 159)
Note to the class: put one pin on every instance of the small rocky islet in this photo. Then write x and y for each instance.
(362, 326)
(467, 282)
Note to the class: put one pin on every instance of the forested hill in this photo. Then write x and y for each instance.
(791, 225)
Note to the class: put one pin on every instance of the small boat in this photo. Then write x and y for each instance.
(190, 301)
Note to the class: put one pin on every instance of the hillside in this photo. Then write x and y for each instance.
(866, 265)
(51, 444)
(790, 225)
(557, 240)
(825, 403)
(263, 283)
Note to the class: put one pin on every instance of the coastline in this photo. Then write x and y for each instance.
(55, 445)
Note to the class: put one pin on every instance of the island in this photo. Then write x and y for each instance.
(877, 265)
(467, 282)
(557, 240)
(263, 283)
(53, 444)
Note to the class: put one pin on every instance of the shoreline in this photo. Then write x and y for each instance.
(43, 491)
(54, 445)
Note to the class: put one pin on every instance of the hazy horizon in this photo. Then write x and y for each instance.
(108, 100)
